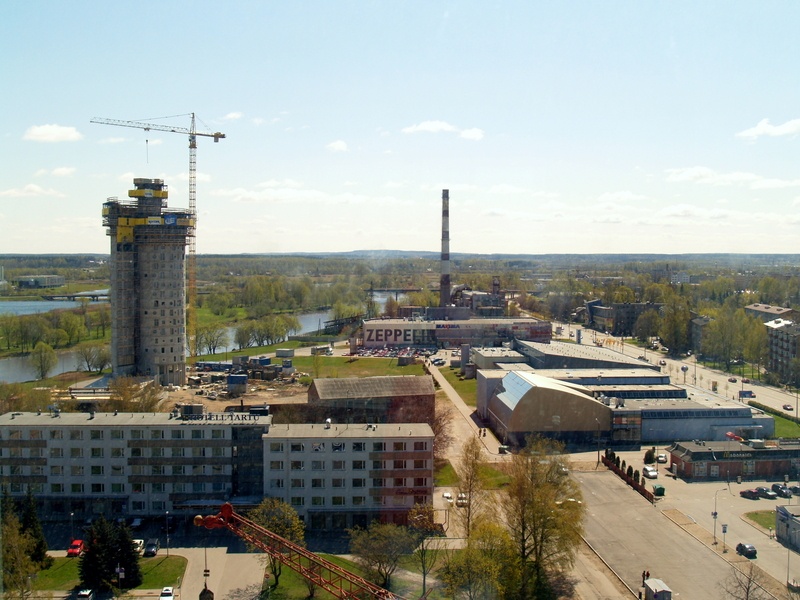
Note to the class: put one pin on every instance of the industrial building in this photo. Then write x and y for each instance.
(735, 457)
(137, 464)
(148, 290)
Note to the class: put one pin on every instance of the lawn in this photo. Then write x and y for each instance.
(157, 572)
(785, 428)
(353, 366)
(445, 475)
(765, 518)
(466, 388)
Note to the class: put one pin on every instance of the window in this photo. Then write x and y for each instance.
(359, 465)
(359, 500)
(117, 471)
(297, 483)
(156, 434)
(118, 453)
(296, 447)
(318, 446)
(56, 488)
(399, 500)
(98, 488)
(56, 434)
(117, 434)
(198, 487)
(158, 488)
(337, 446)
(96, 434)
(37, 470)
(317, 500)
(137, 505)
(276, 484)
(218, 452)
(337, 501)
(74, 434)
(137, 434)
(16, 470)
(420, 482)
(137, 470)
(378, 464)
(359, 446)
(420, 446)
(297, 501)
(338, 465)
(176, 434)
(198, 470)
(217, 434)
(218, 486)
(318, 483)
(359, 483)
(159, 505)
(198, 452)
(399, 446)
(419, 464)
(56, 452)
(378, 446)
(76, 488)
(317, 465)
(297, 465)
(399, 464)
(96, 469)
(178, 470)
(378, 482)
(399, 482)
(36, 452)
(276, 446)
(97, 453)
(198, 434)
(15, 452)
(56, 471)
(35, 434)
(76, 452)
(177, 453)
(337, 482)
(137, 488)
(156, 469)
(136, 452)
(179, 488)
(276, 465)
(117, 488)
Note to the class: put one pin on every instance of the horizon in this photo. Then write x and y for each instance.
(668, 128)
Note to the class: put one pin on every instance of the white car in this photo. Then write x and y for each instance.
(650, 472)
(167, 593)
(138, 545)
(448, 497)
(662, 458)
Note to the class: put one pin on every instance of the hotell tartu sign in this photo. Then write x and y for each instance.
(223, 417)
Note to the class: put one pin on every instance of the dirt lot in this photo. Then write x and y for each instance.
(259, 393)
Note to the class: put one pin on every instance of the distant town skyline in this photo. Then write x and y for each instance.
(562, 128)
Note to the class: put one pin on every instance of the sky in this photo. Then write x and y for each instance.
(558, 127)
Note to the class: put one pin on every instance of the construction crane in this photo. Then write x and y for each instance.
(327, 575)
(191, 266)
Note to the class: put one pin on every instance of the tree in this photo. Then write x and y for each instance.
(442, 427)
(43, 358)
(109, 547)
(647, 325)
(18, 566)
(544, 515)
(378, 549)
(33, 527)
(211, 337)
(470, 472)
(745, 584)
(423, 526)
(675, 324)
(130, 396)
(282, 519)
(243, 335)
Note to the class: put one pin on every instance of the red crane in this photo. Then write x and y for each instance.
(327, 575)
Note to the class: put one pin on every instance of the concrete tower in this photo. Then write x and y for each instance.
(148, 290)
(444, 281)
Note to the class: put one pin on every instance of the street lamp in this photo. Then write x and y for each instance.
(167, 519)
(72, 525)
(714, 514)
(597, 435)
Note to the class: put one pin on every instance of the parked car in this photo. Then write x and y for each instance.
(138, 545)
(788, 407)
(746, 550)
(462, 500)
(167, 593)
(151, 547)
(732, 379)
(136, 523)
(662, 362)
(764, 492)
(650, 472)
(662, 458)
(86, 595)
(750, 494)
(76, 548)
(448, 497)
(745, 380)
(781, 490)
(795, 489)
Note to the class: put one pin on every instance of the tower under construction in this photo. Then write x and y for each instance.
(148, 289)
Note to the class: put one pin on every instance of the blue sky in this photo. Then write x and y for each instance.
(559, 127)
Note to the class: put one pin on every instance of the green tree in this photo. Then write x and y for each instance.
(544, 516)
(18, 565)
(470, 469)
(422, 524)
(756, 343)
(109, 547)
(281, 519)
(128, 395)
(674, 330)
(43, 358)
(647, 325)
(33, 527)
(378, 548)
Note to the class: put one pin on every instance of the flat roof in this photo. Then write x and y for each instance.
(589, 352)
(318, 431)
(125, 419)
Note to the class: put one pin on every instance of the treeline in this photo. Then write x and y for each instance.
(57, 329)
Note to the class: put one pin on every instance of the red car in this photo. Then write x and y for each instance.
(76, 548)
(751, 494)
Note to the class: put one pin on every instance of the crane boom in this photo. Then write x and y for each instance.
(191, 263)
(327, 575)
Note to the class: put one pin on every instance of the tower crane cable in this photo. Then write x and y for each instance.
(191, 262)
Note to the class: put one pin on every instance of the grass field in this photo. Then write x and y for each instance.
(765, 518)
(466, 388)
(157, 572)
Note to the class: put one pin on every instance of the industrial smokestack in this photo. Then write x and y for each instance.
(444, 281)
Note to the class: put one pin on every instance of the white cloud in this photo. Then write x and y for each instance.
(112, 140)
(775, 184)
(337, 146)
(257, 121)
(29, 191)
(232, 116)
(621, 196)
(472, 134)
(430, 127)
(63, 171)
(52, 133)
(764, 127)
(709, 176)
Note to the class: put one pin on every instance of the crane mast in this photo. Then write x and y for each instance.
(327, 575)
(191, 261)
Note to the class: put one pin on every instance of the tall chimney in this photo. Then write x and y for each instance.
(444, 281)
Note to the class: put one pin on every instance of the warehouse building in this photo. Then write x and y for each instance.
(143, 464)
(148, 316)
(736, 457)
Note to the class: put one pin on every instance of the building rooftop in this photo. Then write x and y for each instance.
(319, 431)
(373, 387)
(766, 308)
(124, 419)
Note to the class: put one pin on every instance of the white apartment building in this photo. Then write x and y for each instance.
(143, 464)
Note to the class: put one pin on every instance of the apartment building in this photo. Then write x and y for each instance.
(782, 337)
(339, 476)
(143, 464)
